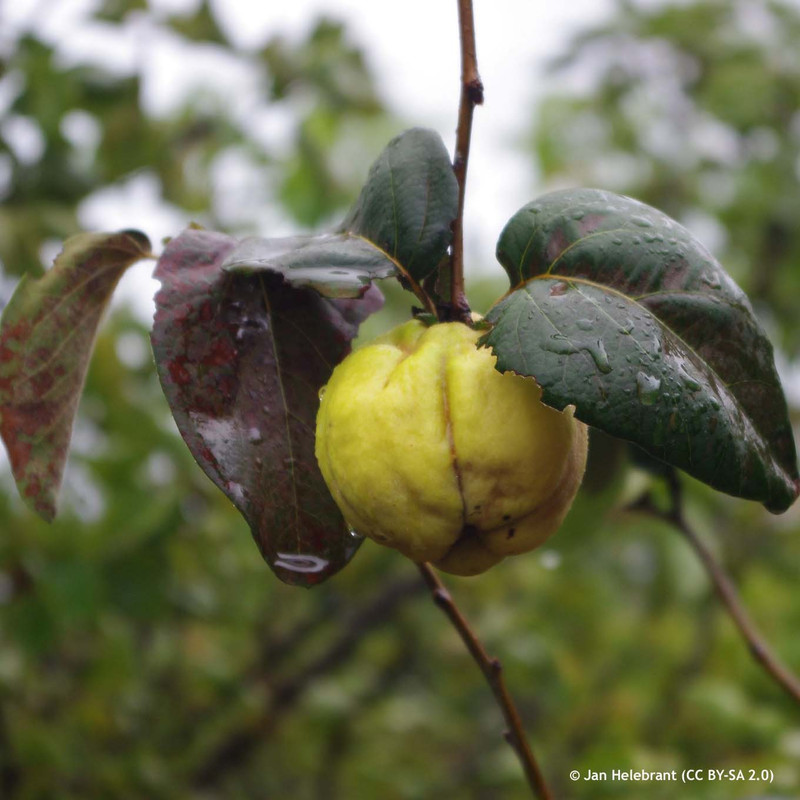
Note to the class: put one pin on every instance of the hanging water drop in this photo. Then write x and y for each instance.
(296, 562)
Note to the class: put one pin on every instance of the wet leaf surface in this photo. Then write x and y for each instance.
(335, 265)
(241, 360)
(47, 335)
(619, 311)
(408, 203)
(399, 226)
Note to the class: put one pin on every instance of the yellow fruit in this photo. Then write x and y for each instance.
(427, 448)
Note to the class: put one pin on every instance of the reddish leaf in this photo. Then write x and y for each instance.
(242, 359)
(46, 339)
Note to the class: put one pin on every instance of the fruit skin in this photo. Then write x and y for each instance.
(427, 448)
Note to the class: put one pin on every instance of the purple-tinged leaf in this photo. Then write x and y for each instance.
(241, 360)
(46, 338)
(619, 311)
(334, 264)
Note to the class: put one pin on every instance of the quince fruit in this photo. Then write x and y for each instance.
(428, 449)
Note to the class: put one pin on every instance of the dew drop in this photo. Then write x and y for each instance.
(647, 387)
(642, 222)
(560, 344)
(585, 324)
(690, 382)
(598, 352)
(236, 491)
(711, 279)
(626, 328)
(254, 436)
(578, 215)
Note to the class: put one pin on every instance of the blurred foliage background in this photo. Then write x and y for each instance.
(145, 649)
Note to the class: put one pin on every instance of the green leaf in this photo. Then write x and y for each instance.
(335, 265)
(47, 334)
(399, 226)
(408, 203)
(621, 313)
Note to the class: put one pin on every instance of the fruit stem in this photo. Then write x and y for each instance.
(493, 672)
(723, 586)
(471, 95)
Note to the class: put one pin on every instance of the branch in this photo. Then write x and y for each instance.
(723, 586)
(493, 671)
(471, 95)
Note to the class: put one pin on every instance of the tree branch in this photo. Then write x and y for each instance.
(493, 671)
(471, 95)
(723, 586)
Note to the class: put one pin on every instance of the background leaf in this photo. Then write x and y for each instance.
(623, 314)
(335, 265)
(46, 338)
(241, 360)
(408, 202)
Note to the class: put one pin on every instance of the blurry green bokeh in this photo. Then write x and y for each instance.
(146, 651)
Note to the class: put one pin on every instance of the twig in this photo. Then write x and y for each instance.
(493, 671)
(471, 95)
(724, 587)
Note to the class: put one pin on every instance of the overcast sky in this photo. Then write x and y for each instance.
(412, 47)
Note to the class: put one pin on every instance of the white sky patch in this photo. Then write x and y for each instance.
(412, 48)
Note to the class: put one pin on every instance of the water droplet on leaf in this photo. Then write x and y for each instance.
(711, 279)
(691, 383)
(255, 436)
(647, 387)
(296, 562)
(598, 352)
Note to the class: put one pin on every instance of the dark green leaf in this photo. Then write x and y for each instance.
(46, 338)
(623, 314)
(400, 226)
(241, 360)
(335, 265)
(408, 202)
